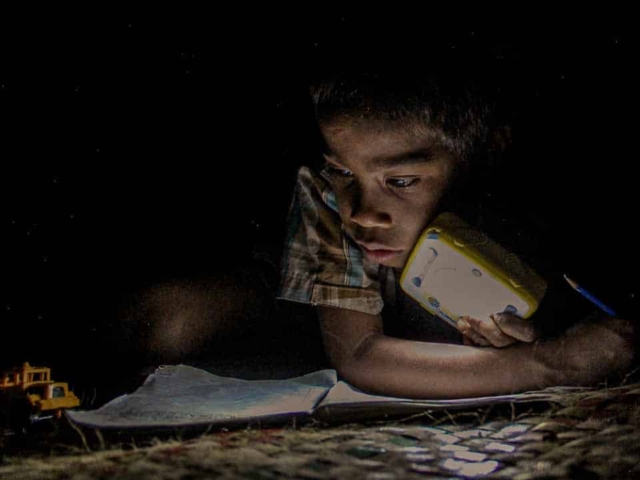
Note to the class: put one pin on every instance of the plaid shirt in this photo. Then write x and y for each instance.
(321, 265)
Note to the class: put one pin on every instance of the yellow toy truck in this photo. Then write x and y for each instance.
(28, 395)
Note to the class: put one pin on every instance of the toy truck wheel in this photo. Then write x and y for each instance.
(20, 419)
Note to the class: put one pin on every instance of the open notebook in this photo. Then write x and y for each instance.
(182, 396)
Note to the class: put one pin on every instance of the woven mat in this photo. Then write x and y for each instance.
(591, 434)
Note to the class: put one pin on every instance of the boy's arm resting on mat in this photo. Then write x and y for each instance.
(376, 363)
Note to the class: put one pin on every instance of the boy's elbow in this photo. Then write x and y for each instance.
(359, 367)
(350, 340)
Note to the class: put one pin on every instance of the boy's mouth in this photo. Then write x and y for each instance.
(379, 253)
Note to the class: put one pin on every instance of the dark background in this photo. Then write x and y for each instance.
(139, 148)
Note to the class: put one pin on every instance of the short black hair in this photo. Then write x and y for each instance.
(445, 105)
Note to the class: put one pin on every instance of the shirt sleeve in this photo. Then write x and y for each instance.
(321, 265)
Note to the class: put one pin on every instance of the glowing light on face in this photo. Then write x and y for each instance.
(388, 183)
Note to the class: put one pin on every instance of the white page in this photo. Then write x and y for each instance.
(344, 394)
(181, 395)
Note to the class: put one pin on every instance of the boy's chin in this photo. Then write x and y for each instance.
(398, 265)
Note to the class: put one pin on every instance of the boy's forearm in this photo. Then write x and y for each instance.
(405, 368)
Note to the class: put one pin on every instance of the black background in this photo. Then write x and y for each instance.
(138, 148)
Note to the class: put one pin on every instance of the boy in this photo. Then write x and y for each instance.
(394, 147)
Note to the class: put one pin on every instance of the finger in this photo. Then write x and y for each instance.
(490, 330)
(478, 342)
(515, 326)
(477, 339)
(469, 333)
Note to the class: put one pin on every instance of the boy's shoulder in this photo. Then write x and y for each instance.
(320, 264)
(314, 188)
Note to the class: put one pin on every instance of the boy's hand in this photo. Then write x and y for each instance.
(499, 330)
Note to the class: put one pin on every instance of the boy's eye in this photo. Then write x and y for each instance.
(405, 182)
(332, 170)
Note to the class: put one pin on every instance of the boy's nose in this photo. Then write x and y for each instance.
(367, 210)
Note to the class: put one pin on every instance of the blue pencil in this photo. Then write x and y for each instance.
(589, 296)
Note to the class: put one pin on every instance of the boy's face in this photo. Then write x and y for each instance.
(388, 182)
